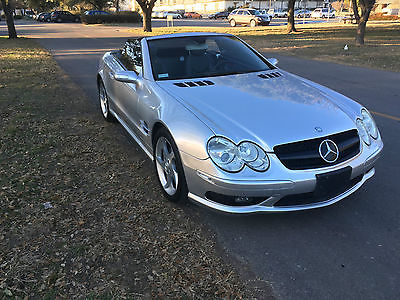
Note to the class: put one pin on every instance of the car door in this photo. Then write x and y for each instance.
(126, 94)
(69, 17)
(239, 17)
(247, 17)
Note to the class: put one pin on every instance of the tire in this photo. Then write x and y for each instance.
(58, 20)
(253, 23)
(76, 20)
(267, 23)
(232, 22)
(104, 103)
(168, 167)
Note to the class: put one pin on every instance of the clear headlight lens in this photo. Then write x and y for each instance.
(248, 152)
(362, 131)
(224, 154)
(232, 158)
(369, 123)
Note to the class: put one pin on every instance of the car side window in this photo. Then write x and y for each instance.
(240, 12)
(132, 56)
(246, 13)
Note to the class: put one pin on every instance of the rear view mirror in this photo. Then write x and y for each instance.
(126, 76)
(273, 61)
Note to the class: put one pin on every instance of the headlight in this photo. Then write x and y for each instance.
(232, 158)
(369, 123)
(362, 130)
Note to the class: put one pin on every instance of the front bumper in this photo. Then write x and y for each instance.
(263, 22)
(202, 177)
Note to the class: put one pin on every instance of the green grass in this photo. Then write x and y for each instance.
(321, 42)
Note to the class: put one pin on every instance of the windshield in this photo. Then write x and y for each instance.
(254, 12)
(202, 56)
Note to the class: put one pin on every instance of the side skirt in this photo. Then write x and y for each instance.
(132, 134)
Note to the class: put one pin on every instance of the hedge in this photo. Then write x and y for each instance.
(121, 17)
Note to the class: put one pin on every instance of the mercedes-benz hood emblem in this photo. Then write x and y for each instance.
(328, 151)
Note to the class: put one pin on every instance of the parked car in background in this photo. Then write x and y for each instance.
(30, 14)
(96, 13)
(247, 16)
(161, 14)
(44, 17)
(64, 16)
(174, 14)
(227, 128)
(278, 13)
(301, 13)
(323, 13)
(219, 15)
(264, 12)
(192, 15)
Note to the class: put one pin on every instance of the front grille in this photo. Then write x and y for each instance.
(314, 197)
(305, 154)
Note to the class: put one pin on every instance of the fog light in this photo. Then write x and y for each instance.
(241, 200)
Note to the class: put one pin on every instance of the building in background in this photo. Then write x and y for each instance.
(128, 5)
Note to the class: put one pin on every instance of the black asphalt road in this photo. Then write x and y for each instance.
(350, 250)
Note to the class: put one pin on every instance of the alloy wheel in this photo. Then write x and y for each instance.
(166, 166)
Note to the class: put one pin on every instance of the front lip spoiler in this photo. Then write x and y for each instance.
(259, 208)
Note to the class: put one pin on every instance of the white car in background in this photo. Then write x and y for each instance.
(323, 13)
(174, 14)
(277, 13)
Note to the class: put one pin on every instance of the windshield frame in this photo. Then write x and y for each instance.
(262, 58)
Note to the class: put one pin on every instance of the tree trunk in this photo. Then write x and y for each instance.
(360, 32)
(147, 20)
(365, 9)
(290, 24)
(12, 33)
(147, 8)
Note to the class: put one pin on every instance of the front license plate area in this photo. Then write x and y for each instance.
(333, 183)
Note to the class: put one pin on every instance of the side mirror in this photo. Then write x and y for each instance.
(273, 61)
(126, 76)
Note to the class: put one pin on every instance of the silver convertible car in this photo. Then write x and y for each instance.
(228, 129)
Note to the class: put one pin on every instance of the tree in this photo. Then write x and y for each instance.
(290, 23)
(97, 4)
(42, 5)
(364, 7)
(8, 12)
(147, 8)
(117, 4)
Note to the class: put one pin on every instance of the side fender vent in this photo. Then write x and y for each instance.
(194, 83)
(270, 75)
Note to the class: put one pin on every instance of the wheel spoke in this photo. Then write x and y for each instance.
(175, 177)
(168, 182)
(165, 150)
(171, 155)
(160, 161)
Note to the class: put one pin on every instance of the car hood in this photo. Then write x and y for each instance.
(268, 111)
